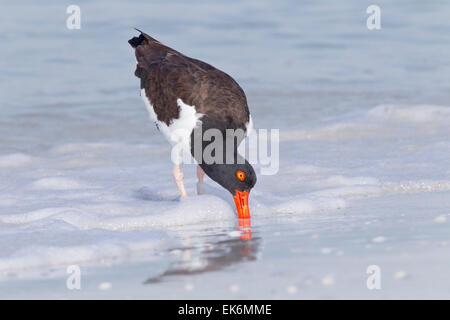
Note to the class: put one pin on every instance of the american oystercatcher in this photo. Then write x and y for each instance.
(183, 94)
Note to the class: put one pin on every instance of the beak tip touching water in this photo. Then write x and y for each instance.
(241, 201)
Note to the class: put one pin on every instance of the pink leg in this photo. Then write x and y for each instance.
(200, 175)
(178, 175)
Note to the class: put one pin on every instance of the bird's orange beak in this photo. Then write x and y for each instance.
(241, 201)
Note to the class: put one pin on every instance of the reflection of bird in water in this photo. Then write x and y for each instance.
(245, 229)
(212, 256)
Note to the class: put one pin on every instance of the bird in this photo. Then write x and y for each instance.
(186, 97)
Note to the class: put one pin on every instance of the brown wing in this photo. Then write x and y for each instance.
(167, 75)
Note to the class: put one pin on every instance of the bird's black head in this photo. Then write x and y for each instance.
(213, 153)
(237, 178)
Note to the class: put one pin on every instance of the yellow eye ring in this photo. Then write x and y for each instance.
(240, 175)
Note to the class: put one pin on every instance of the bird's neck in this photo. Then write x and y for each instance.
(213, 141)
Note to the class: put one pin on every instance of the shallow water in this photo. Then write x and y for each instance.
(85, 178)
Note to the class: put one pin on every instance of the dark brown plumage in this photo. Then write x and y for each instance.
(167, 75)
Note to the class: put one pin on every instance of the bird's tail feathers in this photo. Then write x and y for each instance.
(143, 37)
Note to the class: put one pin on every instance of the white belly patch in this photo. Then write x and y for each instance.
(249, 126)
(178, 132)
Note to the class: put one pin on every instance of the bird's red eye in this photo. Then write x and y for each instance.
(240, 175)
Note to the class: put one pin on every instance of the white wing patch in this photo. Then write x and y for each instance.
(149, 106)
(249, 126)
(179, 130)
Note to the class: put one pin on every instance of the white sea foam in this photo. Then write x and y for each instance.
(15, 160)
(310, 205)
(417, 186)
(57, 183)
(60, 249)
(92, 202)
(378, 123)
(419, 114)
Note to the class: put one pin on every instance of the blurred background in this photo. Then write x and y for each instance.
(316, 57)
